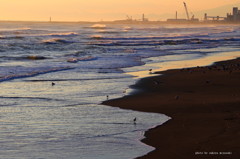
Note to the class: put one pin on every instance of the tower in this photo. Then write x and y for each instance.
(205, 17)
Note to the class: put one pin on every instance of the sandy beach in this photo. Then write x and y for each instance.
(204, 105)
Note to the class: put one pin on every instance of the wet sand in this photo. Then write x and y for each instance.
(204, 103)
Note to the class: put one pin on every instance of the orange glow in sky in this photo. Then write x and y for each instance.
(94, 10)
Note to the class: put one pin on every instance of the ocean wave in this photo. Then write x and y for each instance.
(155, 42)
(24, 28)
(97, 37)
(56, 41)
(34, 34)
(34, 57)
(68, 34)
(127, 28)
(15, 29)
(11, 37)
(98, 26)
(18, 31)
(148, 38)
(30, 73)
(31, 98)
(102, 31)
(84, 79)
(111, 71)
(30, 57)
(76, 59)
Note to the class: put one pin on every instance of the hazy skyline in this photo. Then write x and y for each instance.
(95, 10)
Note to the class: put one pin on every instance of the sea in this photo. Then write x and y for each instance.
(54, 77)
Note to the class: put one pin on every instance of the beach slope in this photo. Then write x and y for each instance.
(204, 103)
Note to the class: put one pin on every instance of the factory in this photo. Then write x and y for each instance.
(189, 19)
(233, 17)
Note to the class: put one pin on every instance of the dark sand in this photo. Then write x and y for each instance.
(204, 103)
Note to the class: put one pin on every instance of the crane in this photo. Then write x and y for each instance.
(185, 5)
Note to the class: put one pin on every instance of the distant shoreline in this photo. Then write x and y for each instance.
(127, 22)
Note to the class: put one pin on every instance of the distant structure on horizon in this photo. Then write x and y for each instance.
(176, 20)
(231, 18)
(131, 20)
(235, 16)
(144, 19)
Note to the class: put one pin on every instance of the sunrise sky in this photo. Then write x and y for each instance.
(95, 10)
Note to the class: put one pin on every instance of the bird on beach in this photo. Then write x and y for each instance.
(53, 84)
(135, 120)
(176, 97)
(150, 71)
(125, 91)
(156, 82)
(207, 81)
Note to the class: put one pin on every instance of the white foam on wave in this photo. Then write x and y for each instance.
(98, 26)
(96, 36)
(127, 27)
(77, 59)
(24, 28)
(63, 34)
(55, 41)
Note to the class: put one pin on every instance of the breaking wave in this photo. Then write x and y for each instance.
(155, 41)
(97, 37)
(76, 59)
(63, 34)
(56, 41)
(30, 57)
(98, 26)
(30, 73)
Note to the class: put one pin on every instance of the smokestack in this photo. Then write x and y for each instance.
(176, 15)
(205, 17)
